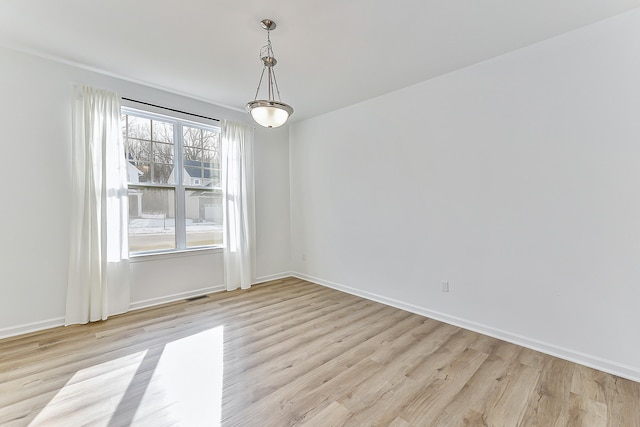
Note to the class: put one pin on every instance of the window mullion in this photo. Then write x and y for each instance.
(181, 229)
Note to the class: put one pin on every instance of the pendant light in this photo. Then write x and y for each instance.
(269, 112)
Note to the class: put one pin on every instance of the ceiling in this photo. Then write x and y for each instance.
(331, 53)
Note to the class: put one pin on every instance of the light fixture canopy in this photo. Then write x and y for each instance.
(269, 112)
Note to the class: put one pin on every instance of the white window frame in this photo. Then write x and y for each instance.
(178, 120)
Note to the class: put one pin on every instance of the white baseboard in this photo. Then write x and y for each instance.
(13, 331)
(137, 305)
(621, 370)
(271, 277)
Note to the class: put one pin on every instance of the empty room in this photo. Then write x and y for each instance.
(338, 213)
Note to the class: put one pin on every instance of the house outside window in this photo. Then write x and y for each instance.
(173, 170)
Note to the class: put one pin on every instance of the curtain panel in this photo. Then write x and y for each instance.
(238, 205)
(98, 284)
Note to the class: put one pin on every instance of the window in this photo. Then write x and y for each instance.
(173, 170)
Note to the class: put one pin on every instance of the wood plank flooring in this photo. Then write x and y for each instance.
(292, 353)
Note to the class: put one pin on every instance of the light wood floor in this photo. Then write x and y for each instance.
(294, 353)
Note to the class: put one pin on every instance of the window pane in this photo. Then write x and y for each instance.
(198, 176)
(162, 131)
(213, 176)
(211, 156)
(162, 174)
(138, 149)
(200, 138)
(139, 128)
(191, 136)
(138, 154)
(193, 167)
(162, 153)
(210, 140)
(151, 219)
(203, 218)
(191, 153)
(138, 172)
(201, 164)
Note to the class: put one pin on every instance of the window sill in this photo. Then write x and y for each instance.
(156, 256)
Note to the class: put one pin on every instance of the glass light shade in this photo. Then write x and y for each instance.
(270, 114)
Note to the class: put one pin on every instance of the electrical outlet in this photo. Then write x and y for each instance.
(304, 257)
(445, 286)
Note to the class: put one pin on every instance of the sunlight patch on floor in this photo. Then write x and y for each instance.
(97, 389)
(174, 383)
(189, 377)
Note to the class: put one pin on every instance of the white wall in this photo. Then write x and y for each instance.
(273, 226)
(35, 114)
(517, 180)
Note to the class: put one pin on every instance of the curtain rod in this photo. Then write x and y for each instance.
(170, 109)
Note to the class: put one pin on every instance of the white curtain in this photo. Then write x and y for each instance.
(98, 284)
(238, 205)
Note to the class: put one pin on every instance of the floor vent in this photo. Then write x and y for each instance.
(196, 298)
